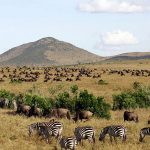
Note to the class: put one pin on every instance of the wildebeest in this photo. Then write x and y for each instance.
(149, 120)
(60, 113)
(35, 111)
(130, 116)
(23, 109)
(84, 114)
(4, 102)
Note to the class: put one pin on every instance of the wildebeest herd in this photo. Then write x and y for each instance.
(74, 73)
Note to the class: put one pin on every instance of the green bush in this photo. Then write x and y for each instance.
(83, 101)
(89, 102)
(41, 102)
(125, 100)
(139, 97)
(63, 100)
(102, 82)
(8, 95)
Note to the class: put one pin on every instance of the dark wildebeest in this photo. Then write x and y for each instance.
(84, 114)
(130, 116)
(23, 109)
(149, 120)
(61, 113)
(35, 111)
(4, 102)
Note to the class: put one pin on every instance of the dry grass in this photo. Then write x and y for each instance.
(14, 128)
(14, 132)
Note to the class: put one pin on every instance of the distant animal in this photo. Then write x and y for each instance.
(149, 120)
(68, 143)
(61, 113)
(4, 102)
(23, 109)
(35, 111)
(113, 131)
(143, 133)
(47, 129)
(14, 103)
(84, 114)
(130, 116)
(85, 132)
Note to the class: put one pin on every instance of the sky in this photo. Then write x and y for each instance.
(103, 27)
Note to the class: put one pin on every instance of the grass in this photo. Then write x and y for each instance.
(14, 128)
(14, 132)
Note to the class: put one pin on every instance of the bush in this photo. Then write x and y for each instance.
(102, 82)
(89, 102)
(140, 97)
(8, 95)
(83, 101)
(41, 102)
(124, 100)
(63, 100)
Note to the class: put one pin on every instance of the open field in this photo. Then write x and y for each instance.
(13, 128)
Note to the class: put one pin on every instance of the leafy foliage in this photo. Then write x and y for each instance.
(140, 97)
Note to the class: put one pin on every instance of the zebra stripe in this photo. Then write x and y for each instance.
(113, 131)
(143, 133)
(68, 143)
(86, 132)
(47, 129)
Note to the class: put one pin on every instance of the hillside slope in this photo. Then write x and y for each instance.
(47, 51)
(131, 56)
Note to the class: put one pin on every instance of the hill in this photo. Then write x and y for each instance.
(131, 56)
(47, 51)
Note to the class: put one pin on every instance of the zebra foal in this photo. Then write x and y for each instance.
(113, 131)
(143, 133)
(86, 132)
(68, 143)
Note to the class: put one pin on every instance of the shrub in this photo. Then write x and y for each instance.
(63, 100)
(41, 102)
(89, 102)
(8, 95)
(102, 82)
(136, 85)
(140, 97)
(124, 100)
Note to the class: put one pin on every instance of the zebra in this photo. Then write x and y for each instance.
(68, 143)
(143, 133)
(113, 131)
(35, 126)
(85, 132)
(47, 129)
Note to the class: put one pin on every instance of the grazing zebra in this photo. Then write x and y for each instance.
(86, 132)
(47, 129)
(143, 133)
(35, 126)
(113, 131)
(68, 143)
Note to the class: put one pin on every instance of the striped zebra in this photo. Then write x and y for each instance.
(68, 143)
(47, 129)
(113, 131)
(86, 132)
(35, 126)
(143, 133)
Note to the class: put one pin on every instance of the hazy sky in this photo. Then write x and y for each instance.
(104, 27)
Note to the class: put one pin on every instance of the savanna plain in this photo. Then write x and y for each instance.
(14, 128)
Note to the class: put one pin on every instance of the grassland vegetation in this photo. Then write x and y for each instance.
(121, 92)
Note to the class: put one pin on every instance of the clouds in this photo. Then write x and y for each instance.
(119, 37)
(112, 6)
